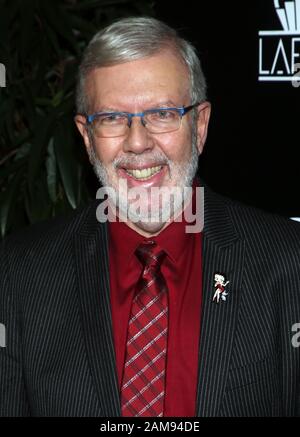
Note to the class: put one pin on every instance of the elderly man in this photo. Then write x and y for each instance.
(138, 314)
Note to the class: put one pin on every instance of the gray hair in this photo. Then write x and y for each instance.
(134, 38)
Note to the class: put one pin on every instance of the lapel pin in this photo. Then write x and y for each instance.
(220, 284)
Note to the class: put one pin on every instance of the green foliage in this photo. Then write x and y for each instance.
(43, 166)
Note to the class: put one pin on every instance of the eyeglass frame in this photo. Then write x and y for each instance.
(182, 110)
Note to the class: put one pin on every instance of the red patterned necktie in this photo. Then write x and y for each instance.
(143, 385)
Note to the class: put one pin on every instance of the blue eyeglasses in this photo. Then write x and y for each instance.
(157, 121)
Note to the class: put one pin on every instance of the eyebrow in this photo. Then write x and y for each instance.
(164, 104)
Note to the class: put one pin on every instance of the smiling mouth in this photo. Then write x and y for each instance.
(144, 174)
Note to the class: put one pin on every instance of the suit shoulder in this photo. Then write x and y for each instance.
(253, 223)
(56, 231)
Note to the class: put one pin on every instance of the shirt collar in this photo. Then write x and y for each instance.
(173, 239)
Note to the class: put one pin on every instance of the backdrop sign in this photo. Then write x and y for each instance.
(279, 50)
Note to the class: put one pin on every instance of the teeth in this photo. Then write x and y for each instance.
(145, 173)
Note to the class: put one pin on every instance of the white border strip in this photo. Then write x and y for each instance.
(279, 78)
(278, 32)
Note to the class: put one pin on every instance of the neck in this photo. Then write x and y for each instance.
(152, 229)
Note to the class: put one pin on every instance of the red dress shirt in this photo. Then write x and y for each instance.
(182, 270)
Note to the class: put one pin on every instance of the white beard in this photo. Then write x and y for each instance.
(182, 176)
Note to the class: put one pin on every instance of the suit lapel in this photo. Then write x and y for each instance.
(223, 251)
(91, 253)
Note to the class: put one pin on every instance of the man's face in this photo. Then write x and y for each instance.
(153, 82)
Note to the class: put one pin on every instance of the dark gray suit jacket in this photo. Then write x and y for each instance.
(55, 304)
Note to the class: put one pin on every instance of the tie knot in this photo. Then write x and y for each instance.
(150, 254)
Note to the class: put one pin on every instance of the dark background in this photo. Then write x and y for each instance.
(252, 149)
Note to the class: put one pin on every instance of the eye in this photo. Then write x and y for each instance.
(110, 119)
(163, 115)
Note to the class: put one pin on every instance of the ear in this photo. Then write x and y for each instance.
(80, 122)
(204, 110)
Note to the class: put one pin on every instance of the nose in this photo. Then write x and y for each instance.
(138, 139)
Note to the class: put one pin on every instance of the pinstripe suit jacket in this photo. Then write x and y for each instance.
(55, 304)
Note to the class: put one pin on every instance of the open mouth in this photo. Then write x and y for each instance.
(144, 174)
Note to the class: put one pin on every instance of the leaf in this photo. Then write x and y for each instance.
(70, 73)
(51, 171)
(41, 56)
(53, 39)
(38, 204)
(4, 105)
(8, 198)
(87, 29)
(5, 21)
(11, 169)
(59, 21)
(57, 98)
(41, 43)
(43, 101)
(66, 107)
(67, 164)
(28, 101)
(38, 150)
(27, 27)
(22, 151)
(8, 120)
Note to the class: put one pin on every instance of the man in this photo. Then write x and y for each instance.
(136, 316)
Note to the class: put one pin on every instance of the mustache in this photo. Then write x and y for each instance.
(140, 160)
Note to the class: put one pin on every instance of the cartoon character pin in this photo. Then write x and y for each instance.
(220, 284)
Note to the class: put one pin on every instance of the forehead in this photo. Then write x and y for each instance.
(140, 83)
